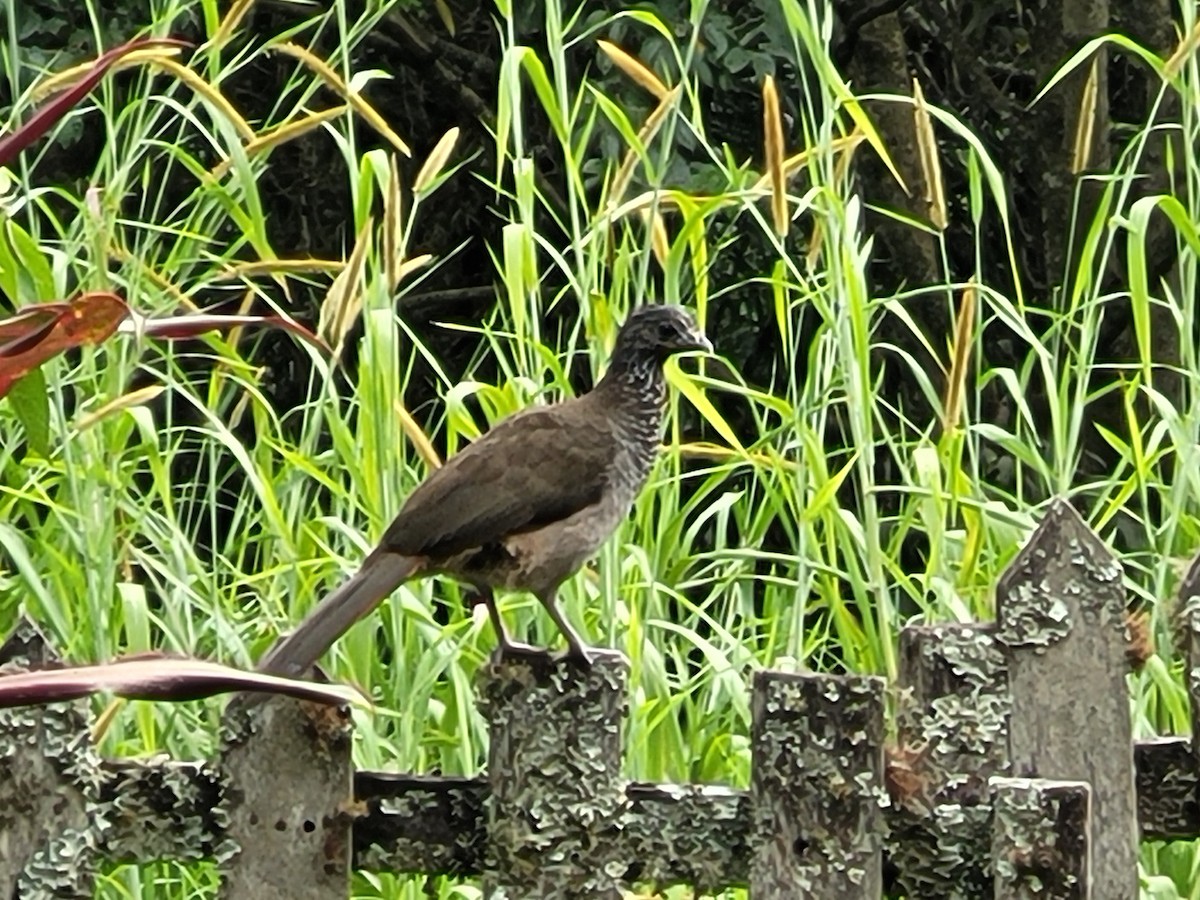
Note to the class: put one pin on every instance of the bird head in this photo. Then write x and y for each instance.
(660, 331)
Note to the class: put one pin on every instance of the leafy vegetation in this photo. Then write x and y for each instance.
(796, 519)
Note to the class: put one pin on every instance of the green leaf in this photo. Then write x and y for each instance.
(32, 406)
(687, 386)
(10, 273)
(33, 261)
(25, 272)
(1084, 54)
(535, 71)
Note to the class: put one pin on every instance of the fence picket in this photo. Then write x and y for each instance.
(1041, 840)
(1061, 614)
(952, 736)
(288, 765)
(49, 784)
(554, 768)
(817, 786)
(1013, 748)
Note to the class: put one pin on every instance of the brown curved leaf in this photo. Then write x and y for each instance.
(35, 334)
(189, 326)
(51, 111)
(148, 676)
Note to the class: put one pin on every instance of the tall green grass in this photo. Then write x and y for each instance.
(779, 545)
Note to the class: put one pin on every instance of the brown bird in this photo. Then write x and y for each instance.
(524, 506)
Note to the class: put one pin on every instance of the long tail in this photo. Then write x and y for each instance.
(381, 573)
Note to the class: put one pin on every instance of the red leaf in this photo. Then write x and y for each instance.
(17, 325)
(157, 677)
(37, 333)
(51, 111)
(32, 331)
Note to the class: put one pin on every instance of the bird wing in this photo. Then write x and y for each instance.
(535, 467)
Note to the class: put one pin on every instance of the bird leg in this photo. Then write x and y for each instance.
(577, 650)
(507, 646)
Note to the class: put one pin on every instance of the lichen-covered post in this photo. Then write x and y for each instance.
(952, 736)
(162, 809)
(692, 834)
(1168, 788)
(817, 787)
(1189, 596)
(288, 777)
(1061, 612)
(1041, 840)
(554, 764)
(49, 783)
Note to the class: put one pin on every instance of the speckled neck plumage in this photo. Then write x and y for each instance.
(635, 392)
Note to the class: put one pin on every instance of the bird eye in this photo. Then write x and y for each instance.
(666, 331)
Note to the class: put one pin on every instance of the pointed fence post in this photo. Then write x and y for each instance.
(554, 765)
(817, 787)
(1061, 615)
(49, 777)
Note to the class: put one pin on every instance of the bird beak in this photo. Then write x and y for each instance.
(701, 342)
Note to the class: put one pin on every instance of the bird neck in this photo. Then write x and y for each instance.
(635, 394)
(635, 381)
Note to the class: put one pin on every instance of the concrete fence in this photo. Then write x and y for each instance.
(1010, 772)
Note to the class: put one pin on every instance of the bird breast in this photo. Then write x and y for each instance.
(548, 556)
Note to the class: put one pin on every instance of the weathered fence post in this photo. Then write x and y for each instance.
(1061, 614)
(49, 777)
(1189, 598)
(817, 787)
(952, 736)
(1041, 840)
(554, 765)
(288, 780)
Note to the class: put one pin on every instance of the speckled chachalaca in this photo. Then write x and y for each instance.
(525, 505)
